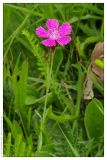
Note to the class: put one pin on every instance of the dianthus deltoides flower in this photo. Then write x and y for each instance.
(55, 33)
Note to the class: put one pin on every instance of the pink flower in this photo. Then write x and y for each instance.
(55, 34)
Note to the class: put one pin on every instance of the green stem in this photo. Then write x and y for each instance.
(49, 76)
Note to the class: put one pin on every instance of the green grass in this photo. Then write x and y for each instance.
(44, 108)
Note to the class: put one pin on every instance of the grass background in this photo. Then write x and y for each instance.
(43, 113)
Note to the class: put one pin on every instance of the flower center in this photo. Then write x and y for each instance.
(53, 34)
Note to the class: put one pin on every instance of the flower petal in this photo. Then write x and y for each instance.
(41, 32)
(65, 29)
(52, 24)
(49, 42)
(64, 40)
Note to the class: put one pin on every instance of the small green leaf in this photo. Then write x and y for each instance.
(7, 150)
(18, 141)
(59, 118)
(13, 126)
(22, 149)
(30, 99)
(99, 63)
(80, 48)
(94, 119)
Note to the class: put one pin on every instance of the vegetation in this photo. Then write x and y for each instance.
(45, 109)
